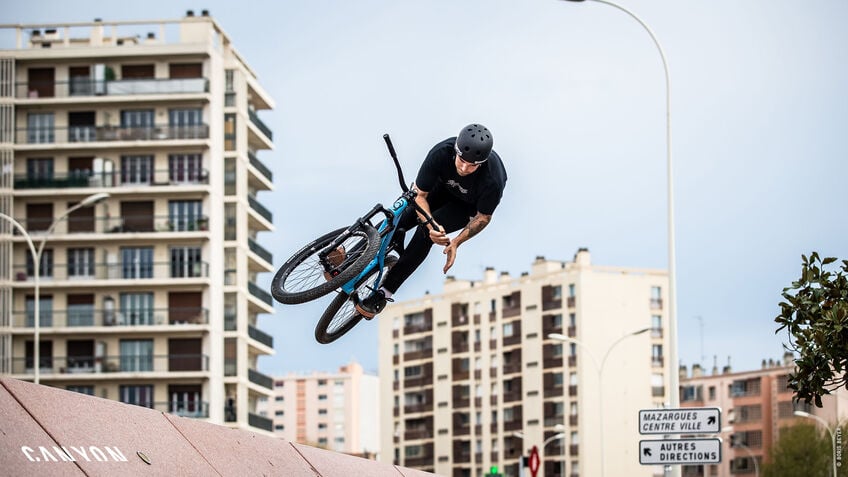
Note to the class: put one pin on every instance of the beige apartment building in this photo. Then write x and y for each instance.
(336, 411)
(471, 380)
(755, 406)
(149, 295)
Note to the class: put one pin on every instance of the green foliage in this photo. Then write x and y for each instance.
(815, 315)
(804, 450)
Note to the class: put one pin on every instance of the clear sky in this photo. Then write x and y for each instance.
(574, 94)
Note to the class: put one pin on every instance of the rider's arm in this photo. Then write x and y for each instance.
(437, 233)
(474, 227)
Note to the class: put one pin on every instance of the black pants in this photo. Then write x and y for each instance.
(449, 212)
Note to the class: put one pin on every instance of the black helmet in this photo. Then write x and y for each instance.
(474, 143)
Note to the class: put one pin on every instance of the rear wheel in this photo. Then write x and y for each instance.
(341, 316)
(306, 276)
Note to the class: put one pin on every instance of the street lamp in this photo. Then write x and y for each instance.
(739, 445)
(674, 379)
(36, 259)
(599, 367)
(829, 430)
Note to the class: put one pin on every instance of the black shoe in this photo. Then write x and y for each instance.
(372, 304)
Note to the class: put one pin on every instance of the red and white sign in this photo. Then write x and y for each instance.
(534, 461)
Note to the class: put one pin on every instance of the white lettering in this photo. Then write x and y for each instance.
(81, 452)
(116, 454)
(68, 453)
(46, 454)
(97, 454)
(62, 454)
(28, 453)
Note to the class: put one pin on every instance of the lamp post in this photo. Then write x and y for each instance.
(36, 260)
(739, 445)
(829, 430)
(674, 379)
(599, 367)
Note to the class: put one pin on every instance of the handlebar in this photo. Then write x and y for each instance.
(397, 163)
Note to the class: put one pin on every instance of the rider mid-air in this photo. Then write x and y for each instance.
(459, 185)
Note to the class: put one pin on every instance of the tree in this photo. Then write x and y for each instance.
(815, 315)
(802, 450)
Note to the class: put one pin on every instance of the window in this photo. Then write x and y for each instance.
(89, 390)
(572, 291)
(136, 262)
(139, 118)
(141, 395)
(186, 123)
(46, 269)
(279, 398)
(185, 169)
(185, 262)
(136, 170)
(39, 171)
(136, 355)
(45, 310)
(279, 413)
(80, 263)
(712, 393)
(229, 132)
(136, 309)
(412, 371)
(186, 215)
(556, 292)
(572, 320)
(556, 350)
(322, 397)
(657, 385)
(507, 330)
(322, 412)
(40, 128)
(656, 355)
(558, 379)
(80, 310)
(656, 297)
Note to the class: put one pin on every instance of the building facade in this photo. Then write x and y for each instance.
(148, 296)
(755, 406)
(336, 411)
(472, 380)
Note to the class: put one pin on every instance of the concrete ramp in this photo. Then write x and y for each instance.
(52, 432)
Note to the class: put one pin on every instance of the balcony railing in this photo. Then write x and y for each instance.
(93, 133)
(259, 293)
(260, 209)
(184, 408)
(254, 118)
(260, 336)
(86, 178)
(113, 364)
(83, 87)
(176, 316)
(121, 224)
(260, 379)
(262, 168)
(116, 271)
(260, 250)
(260, 422)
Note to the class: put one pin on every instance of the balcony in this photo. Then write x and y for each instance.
(178, 316)
(260, 336)
(87, 87)
(260, 294)
(122, 224)
(78, 272)
(259, 250)
(262, 168)
(260, 379)
(254, 118)
(86, 179)
(260, 209)
(193, 409)
(95, 134)
(88, 365)
(260, 422)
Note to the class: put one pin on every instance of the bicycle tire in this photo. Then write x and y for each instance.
(300, 270)
(331, 326)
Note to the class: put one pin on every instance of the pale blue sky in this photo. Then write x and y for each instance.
(574, 95)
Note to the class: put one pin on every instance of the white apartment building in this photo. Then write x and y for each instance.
(336, 411)
(148, 297)
(472, 381)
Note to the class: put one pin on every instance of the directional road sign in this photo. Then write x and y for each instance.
(688, 420)
(680, 451)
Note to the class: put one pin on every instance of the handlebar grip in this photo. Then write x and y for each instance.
(390, 146)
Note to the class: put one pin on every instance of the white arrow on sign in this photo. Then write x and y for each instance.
(694, 420)
(680, 451)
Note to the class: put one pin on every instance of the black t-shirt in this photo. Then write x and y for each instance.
(483, 187)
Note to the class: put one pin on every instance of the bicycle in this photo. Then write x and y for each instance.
(351, 261)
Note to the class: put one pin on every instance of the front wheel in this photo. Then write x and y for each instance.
(341, 316)
(307, 276)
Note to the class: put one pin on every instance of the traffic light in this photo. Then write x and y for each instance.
(494, 471)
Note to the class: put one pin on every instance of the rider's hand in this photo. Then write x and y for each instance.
(450, 251)
(438, 235)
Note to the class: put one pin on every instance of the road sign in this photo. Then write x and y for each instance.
(694, 420)
(534, 461)
(680, 451)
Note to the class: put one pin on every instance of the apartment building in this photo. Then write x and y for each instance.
(471, 380)
(148, 294)
(755, 406)
(336, 411)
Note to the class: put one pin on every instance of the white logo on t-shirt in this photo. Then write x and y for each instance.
(456, 185)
